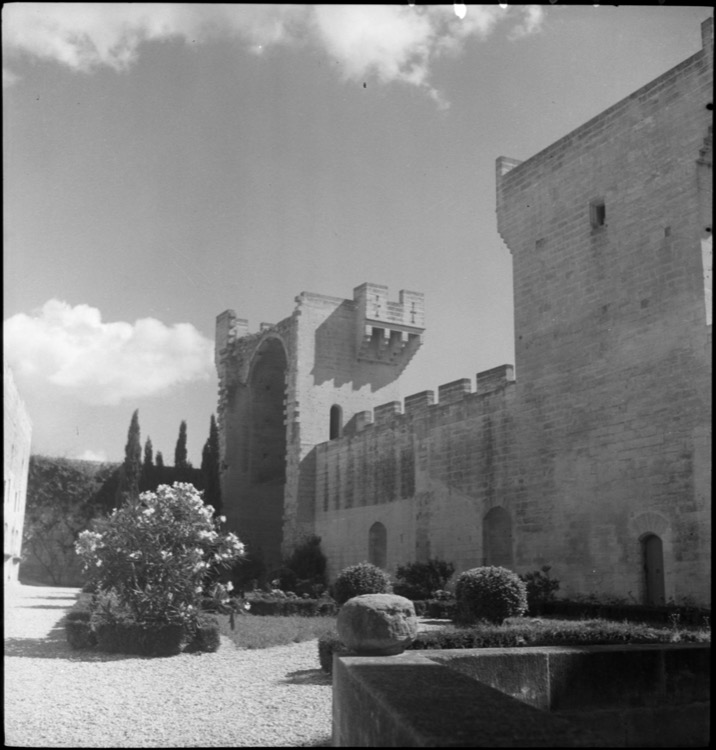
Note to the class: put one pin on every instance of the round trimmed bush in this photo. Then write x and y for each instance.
(491, 594)
(363, 578)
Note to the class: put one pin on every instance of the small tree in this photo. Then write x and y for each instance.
(210, 467)
(148, 454)
(147, 467)
(155, 552)
(308, 565)
(180, 452)
(159, 460)
(132, 467)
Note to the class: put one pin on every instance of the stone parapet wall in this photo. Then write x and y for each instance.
(595, 696)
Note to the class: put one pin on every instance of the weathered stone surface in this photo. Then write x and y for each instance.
(377, 624)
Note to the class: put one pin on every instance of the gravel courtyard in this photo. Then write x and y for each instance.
(57, 697)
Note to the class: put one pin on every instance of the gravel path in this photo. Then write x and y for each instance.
(57, 697)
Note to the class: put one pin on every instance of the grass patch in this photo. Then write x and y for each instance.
(264, 632)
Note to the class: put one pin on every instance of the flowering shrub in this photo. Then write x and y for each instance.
(154, 553)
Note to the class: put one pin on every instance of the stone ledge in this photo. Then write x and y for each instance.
(411, 701)
(513, 697)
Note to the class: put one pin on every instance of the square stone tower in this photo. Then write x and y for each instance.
(290, 386)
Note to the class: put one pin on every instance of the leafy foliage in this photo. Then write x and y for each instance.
(305, 568)
(63, 496)
(363, 578)
(541, 589)
(490, 593)
(420, 580)
(247, 573)
(210, 467)
(154, 553)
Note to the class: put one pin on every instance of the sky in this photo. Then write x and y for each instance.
(165, 162)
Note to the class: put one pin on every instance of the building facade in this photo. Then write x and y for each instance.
(18, 432)
(595, 459)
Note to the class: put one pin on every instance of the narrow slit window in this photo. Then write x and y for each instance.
(598, 213)
(336, 426)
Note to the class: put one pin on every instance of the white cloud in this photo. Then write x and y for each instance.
(103, 363)
(531, 22)
(392, 42)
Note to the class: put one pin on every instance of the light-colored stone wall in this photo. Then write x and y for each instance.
(605, 436)
(613, 347)
(429, 474)
(16, 439)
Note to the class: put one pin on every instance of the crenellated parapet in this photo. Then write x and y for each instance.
(388, 332)
(422, 403)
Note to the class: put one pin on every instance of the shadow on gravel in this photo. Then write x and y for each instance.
(55, 646)
(42, 606)
(308, 677)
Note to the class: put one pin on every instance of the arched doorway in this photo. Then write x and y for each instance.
(378, 545)
(497, 538)
(653, 559)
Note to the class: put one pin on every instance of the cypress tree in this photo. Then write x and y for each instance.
(147, 482)
(148, 454)
(210, 468)
(133, 458)
(180, 452)
(159, 460)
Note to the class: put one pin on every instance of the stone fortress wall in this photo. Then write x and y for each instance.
(594, 460)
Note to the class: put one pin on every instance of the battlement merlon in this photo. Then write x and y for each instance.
(229, 328)
(386, 331)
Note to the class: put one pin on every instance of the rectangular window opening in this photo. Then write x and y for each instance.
(598, 213)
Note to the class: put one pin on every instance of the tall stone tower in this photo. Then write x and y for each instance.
(292, 385)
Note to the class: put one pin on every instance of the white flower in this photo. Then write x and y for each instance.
(198, 589)
(229, 586)
(99, 563)
(222, 519)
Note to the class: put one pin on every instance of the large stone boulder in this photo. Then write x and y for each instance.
(377, 624)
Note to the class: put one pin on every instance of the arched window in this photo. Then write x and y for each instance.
(497, 538)
(378, 545)
(336, 422)
(653, 558)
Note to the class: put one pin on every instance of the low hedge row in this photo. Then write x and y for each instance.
(436, 609)
(266, 607)
(521, 634)
(127, 637)
(632, 612)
